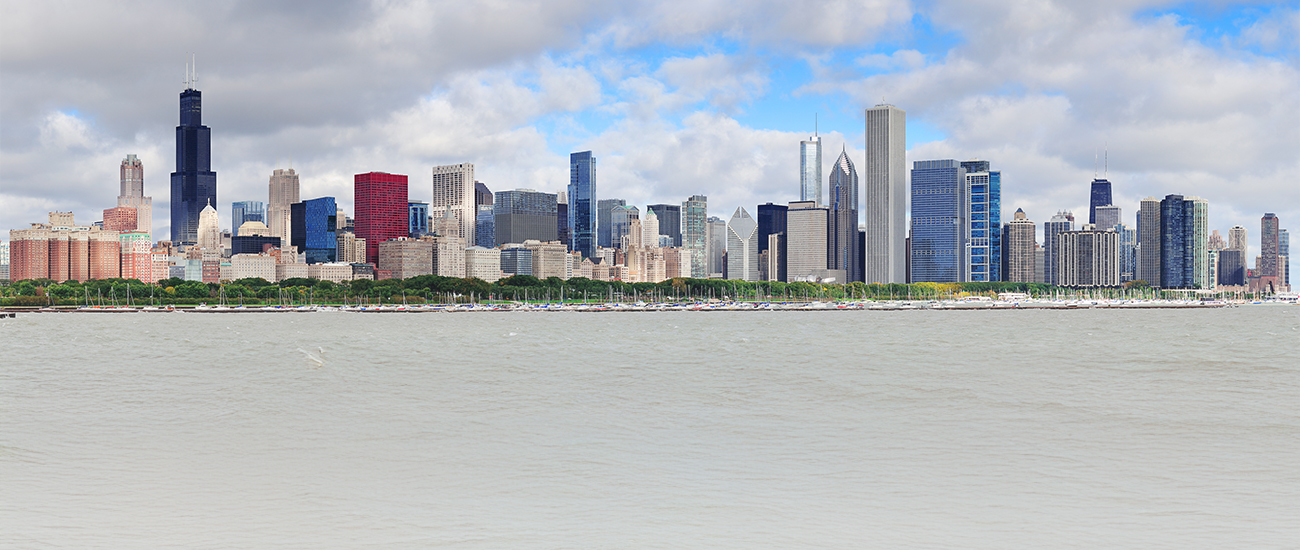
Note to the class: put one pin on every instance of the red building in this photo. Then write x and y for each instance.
(381, 210)
(122, 218)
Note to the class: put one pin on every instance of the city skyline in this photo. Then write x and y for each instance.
(745, 136)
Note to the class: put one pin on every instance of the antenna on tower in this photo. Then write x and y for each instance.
(1107, 161)
(814, 124)
(1094, 164)
(194, 62)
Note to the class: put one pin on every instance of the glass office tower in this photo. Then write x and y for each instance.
(246, 211)
(194, 184)
(582, 202)
(417, 218)
(810, 169)
(938, 221)
(984, 214)
(314, 229)
(1100, 197)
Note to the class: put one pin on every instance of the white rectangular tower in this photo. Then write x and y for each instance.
(453, 191)
(885, 178)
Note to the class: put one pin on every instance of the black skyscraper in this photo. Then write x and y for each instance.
(194, 184)
(771, 221)
(1100, 197)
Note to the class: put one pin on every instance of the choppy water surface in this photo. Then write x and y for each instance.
(912, 429)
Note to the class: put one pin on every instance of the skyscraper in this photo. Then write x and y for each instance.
(485, 233)
(208, 234)
(1174, 263)
(582, 203)
(742, 247)
(886, 195)
(282, 192)
(1237, 238)
(620, 224)
(772, 223)
(1148, 242)
(417, 216)
(1100, 196)
(131, 193)
(983, 239)
(715, 246)
(246, 211)
(1106, 216)
(454, 191)
(939, 221)
(695, 213)
(1269, 246)
(482, 195)
(562, 220)
(381, 209)
(1018, 238)
(1198, 243)
(605, 220)
(1088, 258)
(806, 225)
(314, 230)
(194, 184)
(810, 169)
(1128, 259)
(524, 214)
(1284, 255)
(842, 235)
(1060, 223)
(670, 221)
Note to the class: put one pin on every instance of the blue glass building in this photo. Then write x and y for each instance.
(938, 221)
(524, 214)
(313, 229)
(772, 221)
(193, 184)
(984, 214)
(1100, 197)
(246, 211)
(418, 215)
(1173, 242)
(582, 202)
(485, 226)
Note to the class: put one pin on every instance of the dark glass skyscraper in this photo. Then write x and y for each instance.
(524, 214)
(771, 221)
(582, 202)
(1100, 197)
(313, 229)
(983, 195)
(670, 221)
(246, 211)
(194, 184)
(605, 221)
(1173, 241)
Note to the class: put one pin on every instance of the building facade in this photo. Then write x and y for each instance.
(983, 239)
(810, 169)
(1088, 258)
(806, 224)
(605, 221)
(885, 186)
(1019, 239)
(742, 247)
(1060, 223)
(772, 232)
(246, 211)
(1100, 196)
(939, 221)
(454, 192)
(483, 263)
(715, 247)
(403, 257)
(131, 193)
(524, 214)
(695, 213)
(381, 210)
(670, 221)
(193, 184)
(417, 215)
(582, 203)
(282, 192)
(842, 233)
(1148, 242)
(315, 230)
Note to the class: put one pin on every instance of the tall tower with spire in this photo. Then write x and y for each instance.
(194, 184)
(810, 168)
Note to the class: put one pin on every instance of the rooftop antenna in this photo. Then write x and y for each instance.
(1106, 166)
(1094, 164)
(814, 124)
(195, 63)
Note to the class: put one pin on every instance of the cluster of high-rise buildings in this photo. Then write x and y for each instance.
(840, 230)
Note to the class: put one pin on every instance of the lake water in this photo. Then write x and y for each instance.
(866, 429)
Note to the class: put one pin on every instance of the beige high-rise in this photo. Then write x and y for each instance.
(283, 192)
(453, 193)
(885, 181)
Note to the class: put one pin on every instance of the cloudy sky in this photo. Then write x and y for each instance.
(675, 98)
